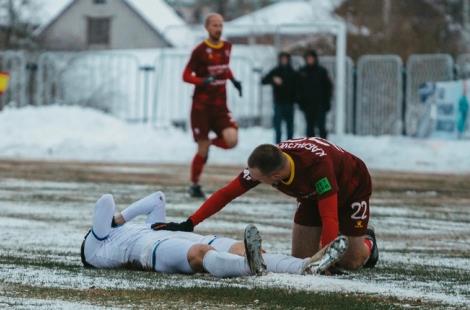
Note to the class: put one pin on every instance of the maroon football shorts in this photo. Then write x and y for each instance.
(210, 117)
(353, 215)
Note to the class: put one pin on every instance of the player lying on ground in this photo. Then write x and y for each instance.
(113, 242)
(332, 187)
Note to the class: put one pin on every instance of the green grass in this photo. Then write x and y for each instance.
(207, 297)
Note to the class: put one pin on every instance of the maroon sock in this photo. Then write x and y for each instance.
(196, 168)
(220, 142)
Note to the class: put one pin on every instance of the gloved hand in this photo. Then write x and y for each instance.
(183, 226)
(208, 80)
(238, 86)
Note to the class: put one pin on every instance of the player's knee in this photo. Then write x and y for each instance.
(106, 200)
(196, 256)
(238, 248)
(159, 196)
(232, 142)
(353, 260)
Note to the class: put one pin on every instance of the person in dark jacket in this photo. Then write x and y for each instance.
(282, 78)
(314, 91)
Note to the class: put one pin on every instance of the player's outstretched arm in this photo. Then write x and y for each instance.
(212, 205)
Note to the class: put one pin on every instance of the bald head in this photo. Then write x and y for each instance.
(213, 17)
(214, 24)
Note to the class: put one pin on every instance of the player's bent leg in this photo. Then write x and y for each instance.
(153, 203)
(172, 256)
(230, 136)
(356, 255)
(104, 212)
(223, 244)
(158, 213)
(101, 227)
(305, 240)
(196, 256)
(238, 248)
(197, 166)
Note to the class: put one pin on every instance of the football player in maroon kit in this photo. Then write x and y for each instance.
(332, 188)
(208, 69)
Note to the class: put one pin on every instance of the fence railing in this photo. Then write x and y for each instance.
(381, 94)
(420, 69)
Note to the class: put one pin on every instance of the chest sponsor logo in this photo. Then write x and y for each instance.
(323, 186)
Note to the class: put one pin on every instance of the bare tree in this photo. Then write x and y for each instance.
(17, 23)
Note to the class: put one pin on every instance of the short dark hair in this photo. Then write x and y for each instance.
(267, 158)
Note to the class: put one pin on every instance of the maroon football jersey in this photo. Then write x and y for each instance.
(320, 169)
(211, 60)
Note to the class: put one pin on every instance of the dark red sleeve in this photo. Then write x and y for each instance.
(188, 73)
(218, 200)
(328, 208)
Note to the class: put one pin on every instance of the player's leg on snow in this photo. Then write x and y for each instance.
(327, 257)
(225, 128)
(305, 240)
(306, 229)
(152, 205)
(197, 166)
(102, 218)
(358, 253)
(353, 222)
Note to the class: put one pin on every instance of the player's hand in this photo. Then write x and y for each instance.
(238, 86)
(208, 80)
(183, 226)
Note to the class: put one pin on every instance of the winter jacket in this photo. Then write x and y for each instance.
(314, 89)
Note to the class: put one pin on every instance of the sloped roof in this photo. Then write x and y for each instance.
(285, 13)
(159, 15)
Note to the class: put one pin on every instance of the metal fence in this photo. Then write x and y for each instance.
(379, 95)
(108, 82)
(420, 69)
(151, 90)
(463, 66)
(329, 62)
(15, 63)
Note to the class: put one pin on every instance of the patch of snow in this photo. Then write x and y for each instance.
(65, 132)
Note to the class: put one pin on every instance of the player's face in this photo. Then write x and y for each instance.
(214, 27)
(266, 179)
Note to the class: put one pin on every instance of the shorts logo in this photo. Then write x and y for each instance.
(359, 224)
(323, 186)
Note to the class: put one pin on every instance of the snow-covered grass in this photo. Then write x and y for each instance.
(60, 132)
(424, 247)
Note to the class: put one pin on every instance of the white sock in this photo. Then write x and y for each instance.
(104, 212)
(145, 206)
(280, 263)
(223, 265)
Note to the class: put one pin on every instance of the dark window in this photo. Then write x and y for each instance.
(99, 1)
(99, 30)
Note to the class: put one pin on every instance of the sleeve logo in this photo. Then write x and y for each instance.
(246, 175)
(323, 186)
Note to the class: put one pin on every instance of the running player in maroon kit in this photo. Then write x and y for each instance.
(208, 69)
(332, 188)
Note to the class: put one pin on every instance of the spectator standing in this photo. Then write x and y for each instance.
(282, 79)
(314, 92)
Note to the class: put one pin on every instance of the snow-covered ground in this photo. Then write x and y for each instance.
(59, 132)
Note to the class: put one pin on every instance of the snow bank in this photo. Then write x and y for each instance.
(60, 132)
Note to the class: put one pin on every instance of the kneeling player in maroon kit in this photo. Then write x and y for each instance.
(208, 69)
(332, 188)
